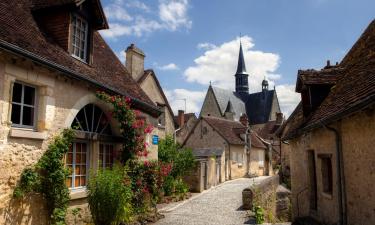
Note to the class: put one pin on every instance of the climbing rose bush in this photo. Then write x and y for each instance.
(132, 126)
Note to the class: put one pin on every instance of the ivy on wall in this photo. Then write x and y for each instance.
(48, 178)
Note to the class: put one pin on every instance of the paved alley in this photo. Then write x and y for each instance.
(219, 205)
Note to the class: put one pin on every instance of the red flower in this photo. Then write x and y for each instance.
(127, 100)
(148, 129)
(139, 182)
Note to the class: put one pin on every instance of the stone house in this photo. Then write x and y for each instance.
(185, 123)
(52, 62)
(232, 137)
(331, 137)
(149, 83)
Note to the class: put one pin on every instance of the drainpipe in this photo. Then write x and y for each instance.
(248, 148)
(230, 163)
(340, 176)
(175, 134)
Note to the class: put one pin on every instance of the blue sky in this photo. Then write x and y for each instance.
(192, 42)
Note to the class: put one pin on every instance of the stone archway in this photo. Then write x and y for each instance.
(92, 99)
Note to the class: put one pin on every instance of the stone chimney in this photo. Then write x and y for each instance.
(244, 120)
(135, 59)
(279, 118)
(181, 118)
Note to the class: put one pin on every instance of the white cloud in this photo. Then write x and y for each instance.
(138, 5)
(288, 98)
(173, 13)
(218, 65)
(170, 66)
(206, 46)
(117, 12)
(194, 100)
(116, 30)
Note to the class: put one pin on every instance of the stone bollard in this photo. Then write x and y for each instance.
(247, 199)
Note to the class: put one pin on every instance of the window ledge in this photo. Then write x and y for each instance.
(78, 194)
(27, 133)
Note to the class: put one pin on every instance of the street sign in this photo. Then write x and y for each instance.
(155, 139)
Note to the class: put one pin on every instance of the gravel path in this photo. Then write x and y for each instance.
(219, 205)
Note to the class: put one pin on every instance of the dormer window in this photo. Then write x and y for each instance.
(79, 37)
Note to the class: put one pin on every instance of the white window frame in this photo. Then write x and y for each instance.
(261, 158)
(72, 187)
(105, 145)
(22, 105)
(75, 30)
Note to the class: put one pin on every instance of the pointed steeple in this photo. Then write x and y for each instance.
(242, 84)
(241, 67)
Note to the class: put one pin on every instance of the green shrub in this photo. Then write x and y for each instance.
(180, 187)
(182, 159)
(109, 197)
(259, 214)
(168, 186)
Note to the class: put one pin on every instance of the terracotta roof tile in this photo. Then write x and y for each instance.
(18, 27)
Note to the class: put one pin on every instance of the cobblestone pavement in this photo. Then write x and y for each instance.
(220, 205)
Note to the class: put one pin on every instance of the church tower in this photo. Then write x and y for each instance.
(242, 85)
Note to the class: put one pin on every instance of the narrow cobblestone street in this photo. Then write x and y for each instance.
(219, 205)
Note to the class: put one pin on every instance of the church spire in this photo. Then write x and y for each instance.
(242, 85)
(241, 67)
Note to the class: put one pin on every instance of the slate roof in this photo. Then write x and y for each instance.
(354, 91)
(258, 108)
(223, 96)
(20, 35)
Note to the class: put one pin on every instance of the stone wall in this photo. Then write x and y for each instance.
(210, 106)
(58, 101)
(357, 134)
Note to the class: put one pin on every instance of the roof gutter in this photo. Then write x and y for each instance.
(153, 110)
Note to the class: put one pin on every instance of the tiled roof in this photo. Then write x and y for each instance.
(187, 117)
(19, 30)
(230, 130)
(324, 76)
(354, 91)
(268, 130)
(223, 96)
(226, 128)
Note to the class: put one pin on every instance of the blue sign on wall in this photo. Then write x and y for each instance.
(155, 139)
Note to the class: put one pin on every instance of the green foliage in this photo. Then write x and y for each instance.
(181, 187)
(29, 181)
(168, 186)
(259, 214)
(182, 159)
(48, 178)
(109, 198)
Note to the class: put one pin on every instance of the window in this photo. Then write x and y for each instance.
(76, 161)
(79, 37)
(106, 155)
(326, 173)
(261, 158)
(23, 105)
(92, 119)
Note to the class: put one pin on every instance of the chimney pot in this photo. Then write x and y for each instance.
(181, 118)
(244, 120)
(328, 63)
